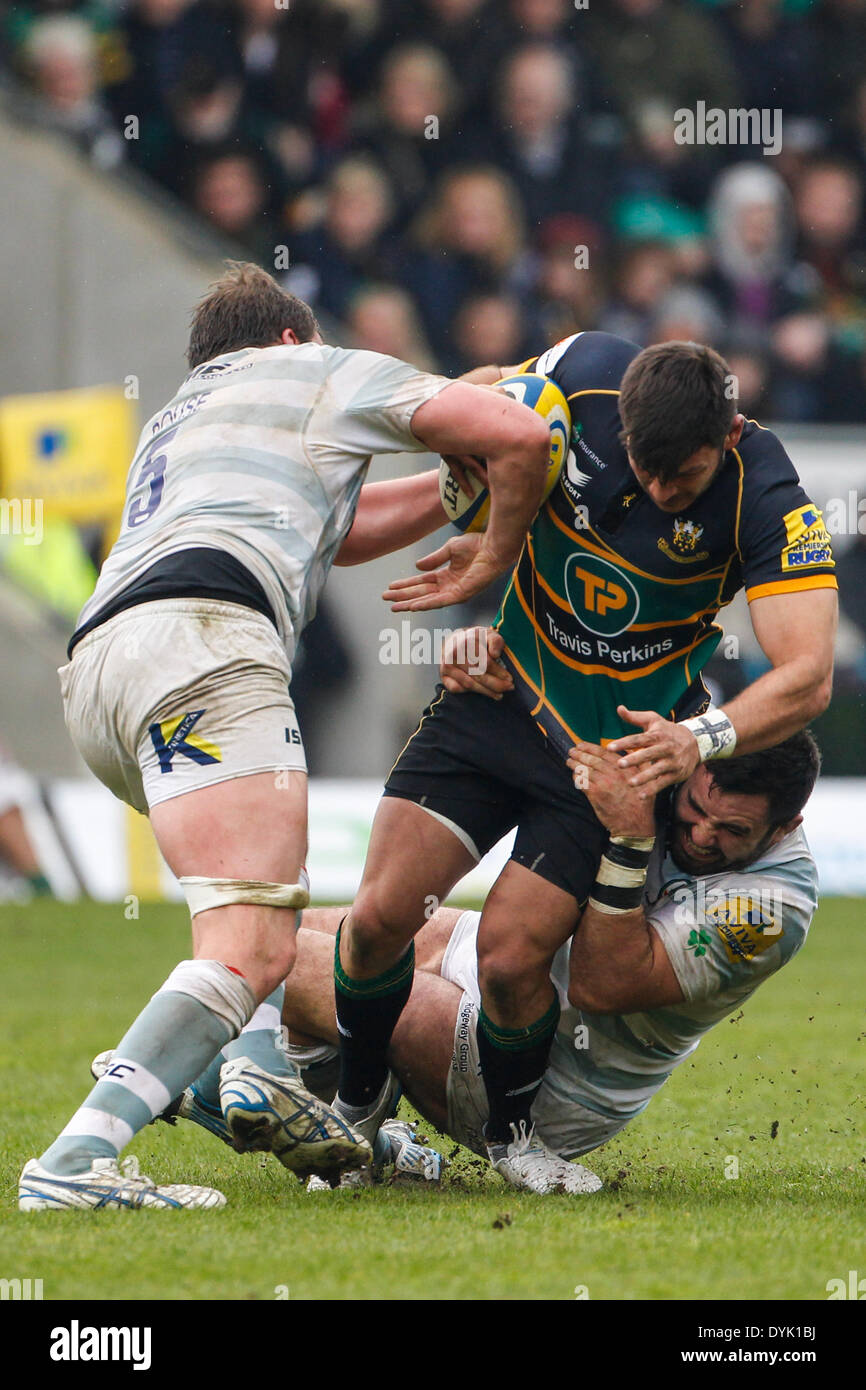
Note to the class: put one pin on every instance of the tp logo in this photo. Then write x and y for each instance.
(602, 599)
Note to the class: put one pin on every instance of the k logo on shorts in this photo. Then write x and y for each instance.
(175, 736)
(602, 599)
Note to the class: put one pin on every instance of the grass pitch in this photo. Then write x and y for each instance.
(776, 1095)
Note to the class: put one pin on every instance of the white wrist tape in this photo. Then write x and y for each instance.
(642, 842)
(204, 893)
(618, 876)
(716, 735)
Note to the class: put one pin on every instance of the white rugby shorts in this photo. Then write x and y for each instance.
(565, 1125)
(179, 694)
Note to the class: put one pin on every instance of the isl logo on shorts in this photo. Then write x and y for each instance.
(602, 599)
(173, 736)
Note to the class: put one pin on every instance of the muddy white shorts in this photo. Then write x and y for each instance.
(172, 696)
(565, 1125)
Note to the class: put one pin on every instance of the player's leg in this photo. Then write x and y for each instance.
(214, 823)
(422, 1042)
(445, 804)
(413, 862)
(524, 922)
(532, 910)
(248, 829)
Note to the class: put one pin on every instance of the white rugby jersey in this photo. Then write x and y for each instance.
(724, 935)
(262, 454)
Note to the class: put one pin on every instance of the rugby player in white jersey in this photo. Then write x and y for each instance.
(243, 492)
(728, 897)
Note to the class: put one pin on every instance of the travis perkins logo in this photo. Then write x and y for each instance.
(77, 1343)
(684, 544)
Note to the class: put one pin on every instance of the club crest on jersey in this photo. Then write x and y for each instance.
(175, 736)
(746, 926)
(808, 539)
(683, 546)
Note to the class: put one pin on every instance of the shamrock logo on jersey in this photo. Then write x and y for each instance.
(699, 941)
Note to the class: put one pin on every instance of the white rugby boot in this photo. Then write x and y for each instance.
(279, 1114)
(395, 1144)
(108, 1186)
(368, 1122)
(527, 1162)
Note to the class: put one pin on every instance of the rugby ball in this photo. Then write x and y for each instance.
(545, 398)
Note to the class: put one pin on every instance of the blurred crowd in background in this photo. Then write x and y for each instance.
(461, 181)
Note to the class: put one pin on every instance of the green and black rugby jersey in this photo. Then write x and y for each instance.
(613, 601)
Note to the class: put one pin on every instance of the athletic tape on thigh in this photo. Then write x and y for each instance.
(222, 991)
(204, 893)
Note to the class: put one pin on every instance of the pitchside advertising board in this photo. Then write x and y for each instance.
(88, 838)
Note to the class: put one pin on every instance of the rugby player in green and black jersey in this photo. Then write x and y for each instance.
(670, 503)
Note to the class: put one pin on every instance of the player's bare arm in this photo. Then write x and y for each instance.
(467, 420)
(796, 632)
(618, 962)
(488, 375)
(395, 513)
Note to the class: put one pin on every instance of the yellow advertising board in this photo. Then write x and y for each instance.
(71, 449)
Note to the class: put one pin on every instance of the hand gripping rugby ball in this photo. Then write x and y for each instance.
(546, 399)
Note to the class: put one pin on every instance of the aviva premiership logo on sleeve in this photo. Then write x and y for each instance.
(808, 540)
(747, 925)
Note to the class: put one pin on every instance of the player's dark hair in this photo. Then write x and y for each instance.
(245, 308)
(675, 398)
(786, 774)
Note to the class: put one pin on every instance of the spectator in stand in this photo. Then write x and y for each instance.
(687, 314)
(774, 54)
(228, 188)
(816, 379)
(383, 318)
(559, 25)
(206, 114)
(411, 131)
(466, 33)
(155, 40)
(471, 240)
(747, 356)
(539, 140)
(351, 245)
(753, 276)
(60, 56)
(644, 275)
(570, 285)
(490, 328)
(656, 50)
(829, 206)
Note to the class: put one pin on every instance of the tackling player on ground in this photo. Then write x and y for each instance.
(669, 504)
(243, 492)
(729, 893)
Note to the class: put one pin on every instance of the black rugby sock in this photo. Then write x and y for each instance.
(367, 1013)
(512, 1065)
